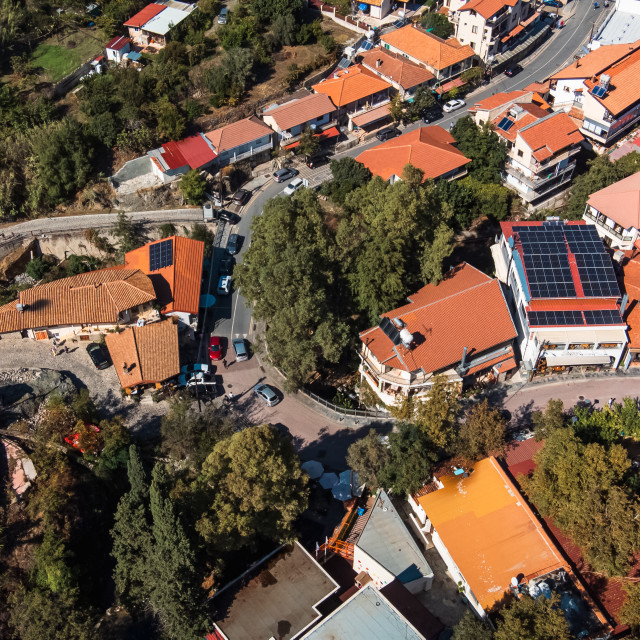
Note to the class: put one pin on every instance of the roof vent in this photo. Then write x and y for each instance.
(20, 307)
(407, 338)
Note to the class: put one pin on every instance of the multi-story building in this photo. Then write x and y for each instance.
(564, 295)
(615, 211)
(600, 90)
(488, 109)
(247, 139)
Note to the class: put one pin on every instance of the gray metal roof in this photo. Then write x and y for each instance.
(620, 28)
(367, 615)
(386, 539)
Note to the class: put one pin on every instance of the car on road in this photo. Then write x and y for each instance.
(431, 115)
(227, 216)
(282, 175)
(387, 134)
(240, 349)
(215, 348)
(233, 244)
(241, 196)
(224, 286)
(317, 161)
(266, 394)
(453, 105)
(293, 186)
(226, 266)
(552, 3)
(98, 356)
(512, 70)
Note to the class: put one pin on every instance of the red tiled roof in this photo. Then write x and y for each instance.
(532, 113)
(178, 285)
(538, 87)
(550, 135)
(196, 151)
(172, 156)
(487, 8)
(514, 32)
(142, 17)
(498, 100)
(238, 133)
(297, 112)
(631, 271)
(396, 67)
(354, 83)
(431, 149)
(467, 309)
(117, 43)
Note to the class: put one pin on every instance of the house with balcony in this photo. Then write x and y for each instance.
(430, 149)
(599, 91)
(445, 59)
(541, 150)
(152, 26)
(356, 91)
(305, 110)
(488, 109)
(615, 212)
(460, 328)
(248, 139)
(563, 296)
(402, 74)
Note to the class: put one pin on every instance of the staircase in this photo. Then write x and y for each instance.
(358, 527)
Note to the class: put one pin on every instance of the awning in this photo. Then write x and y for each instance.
(371, 116)
(332, 132)
(514, 32)
(447, 86)
(576, 360)
(507, 365)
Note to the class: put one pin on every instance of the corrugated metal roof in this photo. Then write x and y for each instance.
(165, 20)
(145, 15)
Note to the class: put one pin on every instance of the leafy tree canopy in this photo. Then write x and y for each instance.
(193, 186)
(482, 433)
(471, 628)
(488, 154)
(438, 24)
(533, 619)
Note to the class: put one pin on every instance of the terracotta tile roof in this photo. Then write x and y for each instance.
(371, 116)
(529, 114)
(117, 43)
(296, 112)
(433, 51)
(177, 286)
(490, 531)
(631, 279)
(238, 133)
(142, 17)
(354, 83)
(514, 32)
(620, 201)
(550, 135)
(595, 62)
(430, 149)
(498, 100)
(150, 352)
(467, 309)
(487, 8)
(503, 363)
(447, 86)
(539, 87)
(396, 67)
(88, 298)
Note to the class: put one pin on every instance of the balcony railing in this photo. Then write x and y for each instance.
(607, 228)
(369, 107)
(539, 183)
(234, 157)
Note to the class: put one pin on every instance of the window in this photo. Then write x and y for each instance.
(584, 346)
(555, 347)
(474, 30)
(609, 345)
(473, 45)
(320, 119)
(520, 154)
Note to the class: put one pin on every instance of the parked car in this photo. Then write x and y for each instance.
(453, 105)
(98, 356)
(224, 286)
(317, 161)
(512, 70)
(431, 115)
(241, 196)
(227, 216)
(387, 134)
(233, 244)
(282, 175)
(226, 266)
(215, 348)
(222, 18)
(204, 390)
(293, 186)
(266, 394)
(552, 3)
(240, 348)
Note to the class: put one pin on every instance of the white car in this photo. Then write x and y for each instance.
(224, 285)
(452, 105)
(293, 186)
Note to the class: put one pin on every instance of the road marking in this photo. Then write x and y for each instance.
(233, 315)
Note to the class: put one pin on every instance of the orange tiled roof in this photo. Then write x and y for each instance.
(532, 113)
(631, 278)
(238, 133)
(178, 285)
(430, 149)
(354, 83)
(620, 201)
(433, 51)
(150, 352)
(467, 309)
(89, 298)
(296, 112)
(498, 100)
(391, 65)
(595, 62)
(551, 134)
(538, 87)
(490, 531)
(487, 8)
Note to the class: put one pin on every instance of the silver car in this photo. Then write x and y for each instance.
(266, 394)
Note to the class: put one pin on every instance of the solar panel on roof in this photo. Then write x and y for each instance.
(505, 124)
(160, 255)
(597, 276)
(555, 318)
(344, 63)
(366, 45)
(598, 91)
(391, 331)
(552, 223)
(606, 316)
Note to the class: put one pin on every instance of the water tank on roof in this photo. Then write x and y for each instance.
(407, 338)
(605, 79)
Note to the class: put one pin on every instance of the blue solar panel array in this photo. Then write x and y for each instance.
(160, 255)
(598, 91)
(552, 318)
(505, 124)
(366, 45)
(609, 316)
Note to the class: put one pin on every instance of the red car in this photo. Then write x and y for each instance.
(215, 348)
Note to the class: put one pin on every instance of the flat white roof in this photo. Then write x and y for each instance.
(162, 23)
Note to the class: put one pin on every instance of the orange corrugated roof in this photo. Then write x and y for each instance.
(151, 353)
(354, 83)
(551, 134)
(487, 8)
(467, 309)
(490, 531)
(430, 149)
(178, 285)
(88, 298)
(433, 51)
(238, 133)
(620, 201)
(391, 65)
(595, 62)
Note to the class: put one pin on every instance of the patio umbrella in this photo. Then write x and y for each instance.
(313, 468)
(341, 491)
(207, 300)
(351, 478)
(328, 480)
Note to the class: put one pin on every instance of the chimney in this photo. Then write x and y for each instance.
(378, 63)
(623, 304)
(464, 358)
(125, 369)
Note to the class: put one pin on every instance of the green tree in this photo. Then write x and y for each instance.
(368, 457)
(470, 627)
(256, 489)
(127, 233)
(170, 122)
(435, 253)
(397, 108)
(438, 24)
(167, 230)
(550, 420)
(482, 433)
(347, 175)
(37, 268)
(488, 154)
(630, 613)
(52, 570)
(423, 100)
(193, 187)
(268, 10)
(285, 29)
(533, 619)
(200, 231)
(472, 76)
(308, 144)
